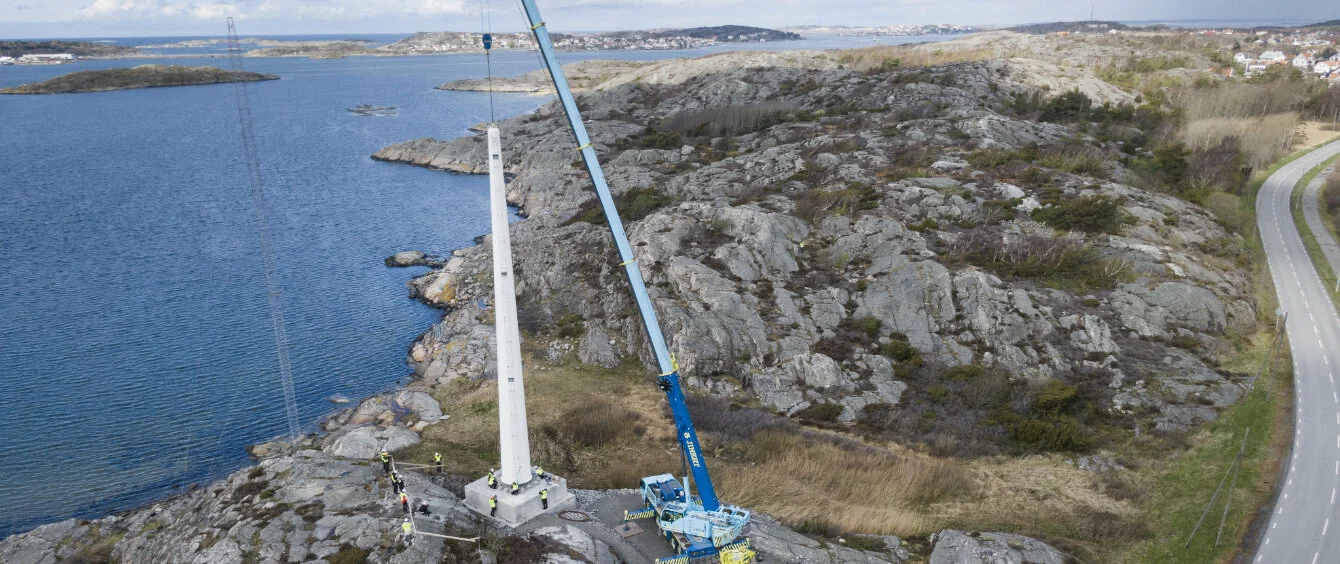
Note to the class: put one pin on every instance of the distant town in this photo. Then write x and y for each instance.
(1312, 52)
(888, 30)
(692, 38)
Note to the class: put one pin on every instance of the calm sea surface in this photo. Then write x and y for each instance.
(136, 354)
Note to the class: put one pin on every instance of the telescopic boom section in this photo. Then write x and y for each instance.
(669, 380)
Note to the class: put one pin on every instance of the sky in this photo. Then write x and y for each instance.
(132, 18)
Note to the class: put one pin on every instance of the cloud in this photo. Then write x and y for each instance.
(348, 10)
(23, 7)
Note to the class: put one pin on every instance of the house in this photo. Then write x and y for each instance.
(6, 60)
(1273, 57)
(1303, 61)
(1241, 57)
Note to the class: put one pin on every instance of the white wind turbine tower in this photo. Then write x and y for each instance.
(534, 496)
(513, 438)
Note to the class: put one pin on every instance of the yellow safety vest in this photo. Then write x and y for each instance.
(492, 503)
(385, 457)
(403, 497)
(544, 494)
(407, 527)
(437, 457)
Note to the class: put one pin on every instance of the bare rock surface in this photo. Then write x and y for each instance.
(762, 298)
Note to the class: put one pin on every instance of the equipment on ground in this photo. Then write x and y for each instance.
(696, 525)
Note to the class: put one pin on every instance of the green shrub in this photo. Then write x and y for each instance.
(900, 351)
(1054, 397)
(633, 205)
(820, 413)
(868, 325)
(966, 372)
(1090, 214)
(1049, 434)
(867, 543)
(348, 554)
(1068, 107)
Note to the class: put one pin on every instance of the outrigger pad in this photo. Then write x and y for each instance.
(628, 529)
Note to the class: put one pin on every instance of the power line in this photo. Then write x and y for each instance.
(263, 230)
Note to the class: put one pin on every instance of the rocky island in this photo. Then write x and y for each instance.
(913, 290)
(142, 76)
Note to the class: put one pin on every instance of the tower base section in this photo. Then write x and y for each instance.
(516, 509)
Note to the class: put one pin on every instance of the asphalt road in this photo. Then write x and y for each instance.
(1305, 524)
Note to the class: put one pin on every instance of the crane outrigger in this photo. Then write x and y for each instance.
(697, 526)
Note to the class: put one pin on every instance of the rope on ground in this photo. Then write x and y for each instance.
(574, 515)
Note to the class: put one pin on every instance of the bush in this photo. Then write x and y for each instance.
(901, 351)
(1057, 262)
(732, 120)
(1054, 397)
(820, 413)
(633, 205)
(1049, 434)
(1069, 107)
(716, 415)
(966, 372)
(651, 139)
(348, 554)
(1090, 214)
(816, 204)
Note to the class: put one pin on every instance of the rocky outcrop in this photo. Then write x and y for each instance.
(296, 508)
(764, 296)
(958, 547)
(143, 76)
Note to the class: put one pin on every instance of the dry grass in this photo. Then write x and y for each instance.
(1263, 140)
(883, 57)
(802, 480)
(820, 481)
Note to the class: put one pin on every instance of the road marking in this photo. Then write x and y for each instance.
(1332, 496)
(1334, 397)
(1325, 525)
(1315, 557)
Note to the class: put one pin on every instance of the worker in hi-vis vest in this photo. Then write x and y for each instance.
(437, 459)
(404, 502)
(544, 498)
(516, 488)
(408, 529)
(386, 462)
(493, 506)
(493, 481)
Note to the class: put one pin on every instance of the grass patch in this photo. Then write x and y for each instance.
(1180, 494)
(1323, 266)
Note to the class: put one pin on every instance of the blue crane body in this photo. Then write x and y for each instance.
(696, 525)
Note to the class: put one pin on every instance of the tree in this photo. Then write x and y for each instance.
(1328, 52)
(1171, 167)
(1071, 106)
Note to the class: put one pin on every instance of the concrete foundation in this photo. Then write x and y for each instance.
(516, 509)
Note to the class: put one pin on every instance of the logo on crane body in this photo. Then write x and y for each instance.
(693, 452)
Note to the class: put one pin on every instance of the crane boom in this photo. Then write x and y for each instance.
(669, 378)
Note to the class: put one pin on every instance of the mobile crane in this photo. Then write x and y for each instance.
(697, 526)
